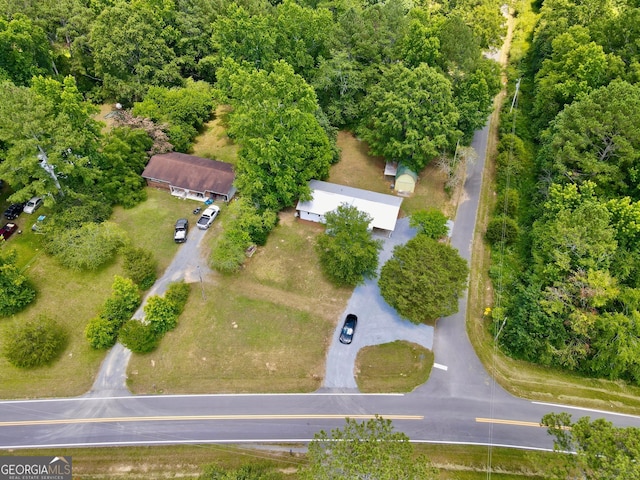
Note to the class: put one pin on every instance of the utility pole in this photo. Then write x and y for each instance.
(515, 96)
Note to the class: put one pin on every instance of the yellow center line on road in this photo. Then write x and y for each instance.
(190, 418)
(510, 422)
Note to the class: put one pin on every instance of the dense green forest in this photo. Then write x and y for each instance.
(566, 230)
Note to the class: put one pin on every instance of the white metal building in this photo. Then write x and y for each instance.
(326, 197)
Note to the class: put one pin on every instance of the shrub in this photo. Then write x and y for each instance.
(124, 300)
(160, 314)
(140, 266)
(228, 253)
(88, 247)
(502, 225)
(138, 337)
(34, 343)
(16, 290)
(72, 212)
(101, 333)
(178, 294)
(432, 223)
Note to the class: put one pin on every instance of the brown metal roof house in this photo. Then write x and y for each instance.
(187, 176)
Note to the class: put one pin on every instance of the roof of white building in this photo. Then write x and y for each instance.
(326, 197)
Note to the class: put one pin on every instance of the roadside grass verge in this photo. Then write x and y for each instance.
(469, 462)
(265, 329)
(395, 367)
(173, 461)
(455, 462)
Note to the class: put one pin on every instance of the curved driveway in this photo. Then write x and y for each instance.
(377, 322)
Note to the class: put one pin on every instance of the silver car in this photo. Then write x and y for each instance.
(208, 216)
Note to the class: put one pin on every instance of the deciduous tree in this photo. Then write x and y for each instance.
(130, 51)
(370, 449)
(424, 279)
(25, 51)
(49, 136)
(16, 290)
(432, 223)
(602, 451)
(283, 145)
(348, 253)
(597, 138)
(410, 116)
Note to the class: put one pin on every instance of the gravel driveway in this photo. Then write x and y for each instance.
(377, 322)
(189, 264)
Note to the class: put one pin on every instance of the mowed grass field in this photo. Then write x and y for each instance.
(393, 367)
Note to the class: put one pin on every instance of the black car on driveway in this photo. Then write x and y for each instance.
(13, 211)
(348, 329)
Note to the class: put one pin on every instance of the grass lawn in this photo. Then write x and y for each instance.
(72, 298)
(469, 462)
(393, 367)
(454, 462)
(360, 170)
(213, 142)
(265, 329)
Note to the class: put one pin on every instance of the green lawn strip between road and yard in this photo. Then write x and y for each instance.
(396, 367)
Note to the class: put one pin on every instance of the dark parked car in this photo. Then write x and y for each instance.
(180, 232)
(13, 211)
(8, 230)
(349, 328)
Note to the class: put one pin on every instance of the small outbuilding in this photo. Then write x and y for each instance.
(188, 176)
(390, 170)
(326, 197)
(406, 180)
